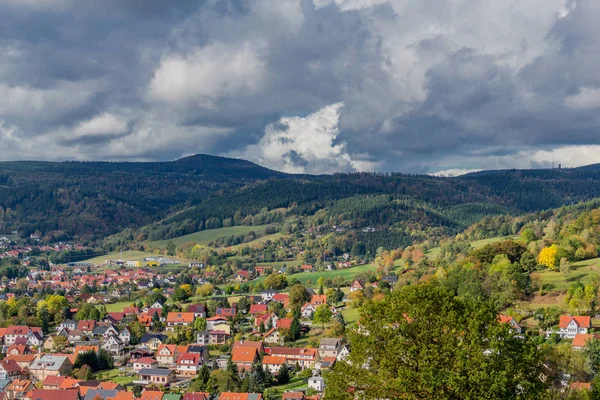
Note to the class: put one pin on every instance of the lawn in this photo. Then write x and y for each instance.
(118, 307)
(351, 315)
(261, 239)
(295, 383)
(114, 376)
(583, 271)
(209, 235)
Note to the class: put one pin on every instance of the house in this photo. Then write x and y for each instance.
(307, 310)
(267, 295)
(317, 383)
(166, 354)
(87, 327)
(327, 363)
(504, 319)
(214, 321)
(198, 309)
(306, 268)
(273, 363)
(392, 280)
(10, 370)
(114, 345)
(306, 358)
(262, 270)
(577, 386)
(15, 332)
(125, 336)
(35, 339)
(196, 396)
(18, 388)
(282, 298)
(293, 396)
(179, 319)
(343, 354)
(257, 309)
(356, 285)
(240, 396)
(144, 363)
(580, 340)
(49, 365)
(100, 394)
(244, 356)
(284, 323)
(84, 349)
(152, 395)
(329, 347)
(158, 376)
(153, 341)
(189, 364)
(241, 276)
(225, 312)
(206, 338)
(572, 325)
(68, 324)
(273, 336)
(45, 394)
(318, 299)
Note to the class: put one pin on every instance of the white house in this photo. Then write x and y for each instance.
(317, 383)
(569, 326)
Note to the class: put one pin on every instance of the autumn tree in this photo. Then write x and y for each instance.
(547, 257)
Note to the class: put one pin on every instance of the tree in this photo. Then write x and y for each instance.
(322, 315)
(547, 257)
(592, 353)
(60, 342)
(84, 373)
(275, 281)
(284, 375)
(298, 296)
(171, 248)
(205, 290)
(199, 324)
(421, 341)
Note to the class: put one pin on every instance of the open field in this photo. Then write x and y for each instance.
(295, 383)
(582, 271)
(127, 255)
(118, 307)
(351, 315)
(209, 235)
(261, 239)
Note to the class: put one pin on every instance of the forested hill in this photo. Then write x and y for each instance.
(160, 200)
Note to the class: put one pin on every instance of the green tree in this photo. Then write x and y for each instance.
(199, 324)
(284, 375)
(423, 342)
(298, 296)
(322, 315)
(592, 353)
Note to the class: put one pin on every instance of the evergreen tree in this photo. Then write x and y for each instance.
(284, 375)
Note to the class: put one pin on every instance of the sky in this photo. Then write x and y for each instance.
(304, 86)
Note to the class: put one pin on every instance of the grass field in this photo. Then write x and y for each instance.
(583, 271)
(127, 255)
(118, 307)
(257, 241)
(351, 315)
(209, 235)
(295, 383)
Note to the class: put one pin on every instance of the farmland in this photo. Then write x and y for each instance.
(209, 235)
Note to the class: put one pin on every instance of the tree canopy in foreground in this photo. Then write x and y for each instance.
(423, 342)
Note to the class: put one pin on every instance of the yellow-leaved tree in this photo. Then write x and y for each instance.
(548, 257)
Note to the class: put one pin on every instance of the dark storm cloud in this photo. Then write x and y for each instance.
(411, 85)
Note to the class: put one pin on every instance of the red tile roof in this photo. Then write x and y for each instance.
(581, 321)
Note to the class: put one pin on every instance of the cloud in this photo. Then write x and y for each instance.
(102, 124)
(209, 73)
(304, 144)
(426, 85)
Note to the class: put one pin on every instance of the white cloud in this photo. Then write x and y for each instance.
(209, 73)
(587, 99)
(348, 5)
(106, 123)
(455, 172)
(304, 145)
